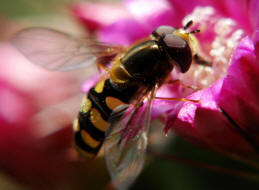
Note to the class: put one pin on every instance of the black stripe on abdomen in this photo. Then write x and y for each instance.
(94, 115)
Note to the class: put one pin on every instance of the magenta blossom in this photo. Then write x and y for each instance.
(36, 112)
(226, 119)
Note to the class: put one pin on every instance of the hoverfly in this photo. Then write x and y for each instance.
(116, 111)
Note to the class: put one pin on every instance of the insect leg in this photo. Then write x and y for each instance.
(188, 25)
(201, 61)
(195, 88)
(178, 99)
(101, 67)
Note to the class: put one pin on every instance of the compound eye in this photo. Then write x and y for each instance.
(174, 41)
(161, 31)
(178, 50)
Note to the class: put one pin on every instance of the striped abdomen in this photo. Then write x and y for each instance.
(96, 108)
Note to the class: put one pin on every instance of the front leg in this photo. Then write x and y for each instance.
(201, 61)
(195, 88)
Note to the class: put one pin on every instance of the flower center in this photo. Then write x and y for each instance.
(218, 39)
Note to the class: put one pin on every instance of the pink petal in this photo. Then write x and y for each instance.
(25, 92)
(254, 19)
(123, 32)
(97, 15)
(217, 133)
(34, 162)
(153, 13)
(184, 7)
(34, 80)
(169, 91)
(204, 125)
(239, 95)
(15, 106)
(235, 9)
(253, 13)
(144, 19)
(89, 83)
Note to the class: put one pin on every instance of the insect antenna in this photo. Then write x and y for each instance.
(194, 31)
(188, 25)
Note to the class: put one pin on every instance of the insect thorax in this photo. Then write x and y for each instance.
(143, 64)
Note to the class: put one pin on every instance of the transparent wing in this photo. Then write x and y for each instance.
(55, 50)
(125, 145)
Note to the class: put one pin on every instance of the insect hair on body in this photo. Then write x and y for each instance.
(116, 110)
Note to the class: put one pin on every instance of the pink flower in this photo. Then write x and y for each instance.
(36, 113)
(228, 38)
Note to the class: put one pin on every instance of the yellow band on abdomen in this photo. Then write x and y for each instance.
(86, 105)
(112, 102)
(97, 120)
(76, 126)
(90, 141)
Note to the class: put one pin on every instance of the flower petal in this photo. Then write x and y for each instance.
(153, 13)
(123, 32)
(235, 9)
(254, 19)
(15, 106)
(97, 15)
(236, 94)
(204, 125)
(239, 95)
(89, 83)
